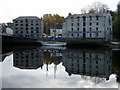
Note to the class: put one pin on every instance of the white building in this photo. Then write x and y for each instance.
(56, 30)
(96, 26)
(28, 26)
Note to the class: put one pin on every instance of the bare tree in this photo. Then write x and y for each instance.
(95, 7)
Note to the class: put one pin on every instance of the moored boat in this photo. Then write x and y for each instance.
(53, 43)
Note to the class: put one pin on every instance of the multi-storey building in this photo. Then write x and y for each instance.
(96, 26)
(28, 26)
(88, 62)
(28, 59)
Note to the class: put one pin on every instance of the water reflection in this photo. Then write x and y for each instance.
(92, 64)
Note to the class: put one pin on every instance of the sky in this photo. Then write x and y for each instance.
(11, 9)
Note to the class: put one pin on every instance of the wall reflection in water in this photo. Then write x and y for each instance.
(28, 59)
(94, 63)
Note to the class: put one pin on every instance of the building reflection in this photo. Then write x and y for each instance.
(96, 63)
(28, 59)
(84, 62)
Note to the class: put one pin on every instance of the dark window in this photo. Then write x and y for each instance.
(84, 32)
(21, 21)
(90, 18)
(71, 29)
(31, 27)
(97, 28)
(37, 28)
(21, 31)
(84, 18)
(31, 31)
(26, 28)
(78, 24)
(97, 17)
(26, 24)
(71, 24)
(96, 23)
(71, 34)
(16, 28)
(84, 23)
(27, 32)
(78, 18)
(31, 24)
(37, 31)
(90, 32)
(16, 24)
(16, 32)
(90, 23)
(78, 29)
(37, 24)
(21, 24)
(16, 21)
(72, 19)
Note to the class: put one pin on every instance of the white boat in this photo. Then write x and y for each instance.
(53, 43)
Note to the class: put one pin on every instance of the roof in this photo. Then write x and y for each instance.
(56, 25)
(26, 17)
(87, 15)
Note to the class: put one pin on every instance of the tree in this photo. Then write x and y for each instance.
(48, 19)
(95, 7)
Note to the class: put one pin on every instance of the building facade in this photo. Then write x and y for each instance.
(28, 26)
(88, 26)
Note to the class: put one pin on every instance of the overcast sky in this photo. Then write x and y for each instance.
(10, 9)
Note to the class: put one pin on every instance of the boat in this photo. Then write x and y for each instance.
(53, 43)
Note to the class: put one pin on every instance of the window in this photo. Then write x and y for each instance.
(31, 31)
(90, 18)
(16, 24)
(21, 31)
(84, 23)
(71, 29)
(90, 32)
(90, 24)
(16, 21)
(72, 34)
(78, 18)
(37, 28)
(37, 24)
(26, 24)
(96, 28)
(16, 32)
(97, 17)
(71, 19)
(96, 23)
(78, 34)
(71, 24)
(78, 24)
(21, 24)
(37, 31)
(31, 27)
(78, 29)
(16, 28)
(26, 28)
(21, 21)
(84, 18)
